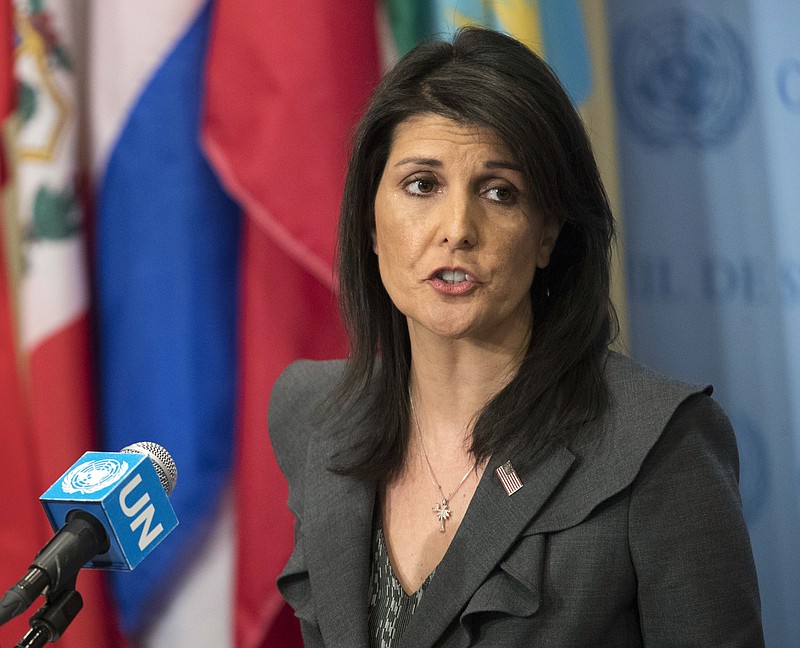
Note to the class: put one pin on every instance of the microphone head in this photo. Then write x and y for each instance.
(162, 461)
(127, 492)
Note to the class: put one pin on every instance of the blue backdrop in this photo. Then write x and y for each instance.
(708, 108)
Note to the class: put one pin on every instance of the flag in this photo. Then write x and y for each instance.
(410, 21)
(45, 352)
(23, 529)
(286, 84)
(552, 28)
(167, 254)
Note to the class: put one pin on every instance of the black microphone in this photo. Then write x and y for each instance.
(110, 510)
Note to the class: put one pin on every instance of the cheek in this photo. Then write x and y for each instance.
(400, 229)
(518, 253)
(518, 269)
(393, 242)
(385, 230)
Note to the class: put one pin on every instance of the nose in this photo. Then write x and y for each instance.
(458, 228)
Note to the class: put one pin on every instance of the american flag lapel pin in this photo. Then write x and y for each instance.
(509, 478)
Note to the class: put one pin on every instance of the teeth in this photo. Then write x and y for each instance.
(453, 276)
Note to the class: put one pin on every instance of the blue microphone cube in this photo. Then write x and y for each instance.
(123, 492)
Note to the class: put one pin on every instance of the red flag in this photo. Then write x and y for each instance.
(45, 395)
(23, 528)
(286, 82)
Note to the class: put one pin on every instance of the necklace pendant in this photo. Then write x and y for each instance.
(442, 512)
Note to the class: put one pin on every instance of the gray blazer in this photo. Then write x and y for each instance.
(632, 537)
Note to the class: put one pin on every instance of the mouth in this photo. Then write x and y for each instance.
(452, 281)
(453, 276)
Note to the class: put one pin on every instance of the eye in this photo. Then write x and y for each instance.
(420, 186)
(502, 194)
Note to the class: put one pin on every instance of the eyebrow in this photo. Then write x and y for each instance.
(433, 162)
(422, 161)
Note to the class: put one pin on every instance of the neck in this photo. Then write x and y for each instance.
(452, 381)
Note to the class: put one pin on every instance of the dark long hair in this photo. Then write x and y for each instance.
(487, 79)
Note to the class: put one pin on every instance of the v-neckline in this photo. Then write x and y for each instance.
(382, 549)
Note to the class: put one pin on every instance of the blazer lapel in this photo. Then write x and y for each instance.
(337, 530)
(493, 521)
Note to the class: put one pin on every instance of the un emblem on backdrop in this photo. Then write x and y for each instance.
(682, 77)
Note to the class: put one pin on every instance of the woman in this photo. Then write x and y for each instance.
(484, 471)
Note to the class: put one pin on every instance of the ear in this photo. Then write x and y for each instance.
(547, 241)
(374, 241)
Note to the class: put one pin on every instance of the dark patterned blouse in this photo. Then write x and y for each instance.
(390, 608)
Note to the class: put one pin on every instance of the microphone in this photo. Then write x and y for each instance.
(109, 511)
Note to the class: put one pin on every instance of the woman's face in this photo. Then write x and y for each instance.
(457, 238)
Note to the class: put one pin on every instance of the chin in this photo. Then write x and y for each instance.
(451, 330)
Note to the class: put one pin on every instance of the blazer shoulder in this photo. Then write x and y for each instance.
(687, 535)
(298, 396)
(610, 452)
(630, 383)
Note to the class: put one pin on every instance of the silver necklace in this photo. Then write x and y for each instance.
(442, 509)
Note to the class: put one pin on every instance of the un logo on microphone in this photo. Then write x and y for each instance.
(682, 77)
(94, 476)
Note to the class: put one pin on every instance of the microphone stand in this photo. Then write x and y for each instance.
(53, 618)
